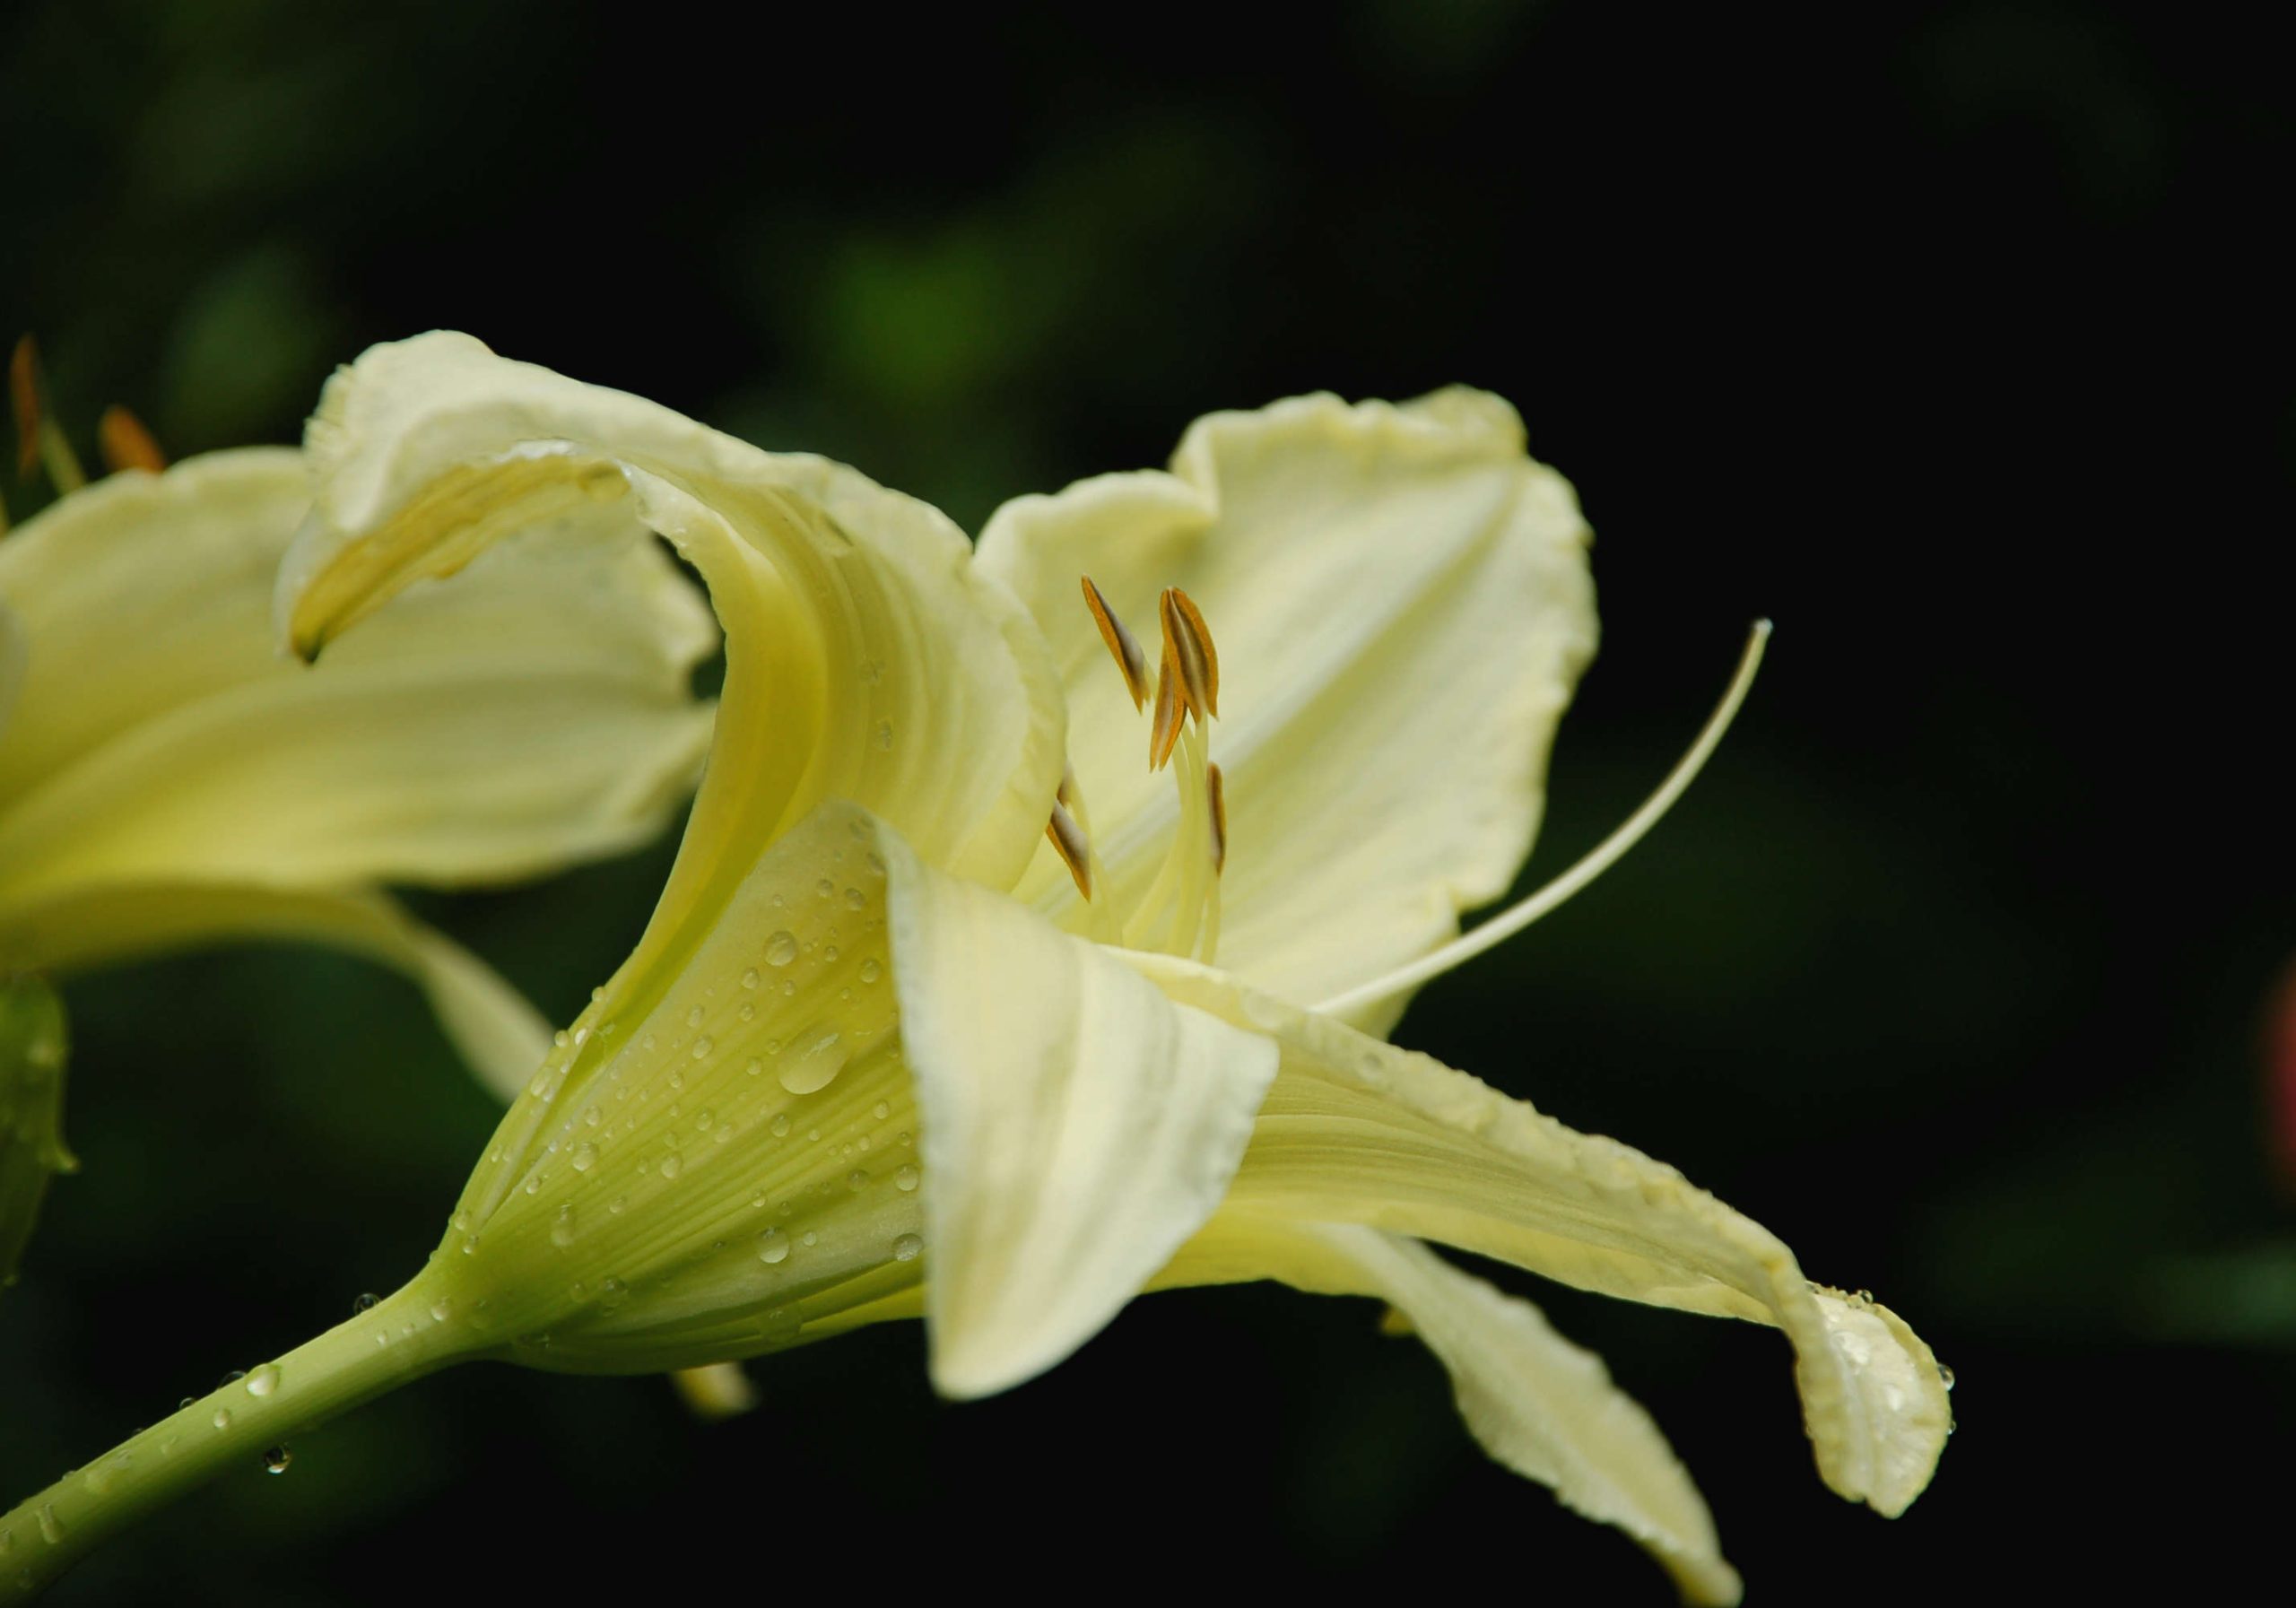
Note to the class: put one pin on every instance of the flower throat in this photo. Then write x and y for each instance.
(1179, 913)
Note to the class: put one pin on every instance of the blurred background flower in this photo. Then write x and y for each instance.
(1950, 336)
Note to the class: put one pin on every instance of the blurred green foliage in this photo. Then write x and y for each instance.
(1954, 337)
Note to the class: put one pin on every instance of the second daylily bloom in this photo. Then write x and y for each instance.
(986, 986)
(168, 777)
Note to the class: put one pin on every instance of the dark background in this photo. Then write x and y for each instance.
(1950, 337)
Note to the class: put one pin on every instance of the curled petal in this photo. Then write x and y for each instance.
(864, 659)
(1078, 1126)
(1356, 1130)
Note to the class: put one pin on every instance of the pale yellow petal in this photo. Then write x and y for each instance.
(1356, 1130)
(869, 1074)
(865, 657)
(1400, 601)
(502, 1036)
(539, 714)
(1542, 1406)
(142, 594)
(13, 647)
(1077, 1125)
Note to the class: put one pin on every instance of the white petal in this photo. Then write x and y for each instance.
(1539, 1404)
(1400, 601)
(1077, 1125)
(1357, 1131)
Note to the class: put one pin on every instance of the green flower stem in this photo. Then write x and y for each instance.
(390, 1344)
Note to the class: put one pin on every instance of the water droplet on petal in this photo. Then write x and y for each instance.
(264, 1381)
(858, 1179)
(870, 970)
(772, 1245)
(276, 1459)
(671, 1166)
(366, 1303)
(222, 1418)
(561, 1227)
(749, 977)
(779, 1124)
(781, 948)
(906, 1180)
(585, 1157)
(908, 1247)
(813, 1062)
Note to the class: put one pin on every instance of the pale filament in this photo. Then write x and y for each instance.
(1599, 859)
(1180, 912)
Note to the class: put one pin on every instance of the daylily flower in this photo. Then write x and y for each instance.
(997, 984)
(169, 777)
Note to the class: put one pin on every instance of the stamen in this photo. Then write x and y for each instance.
(1075, 850)
(1171, 712)
(40, 439)
(1188, 642)
(1122, 648)
(1212, 790)
(126, 444)
(1605, 854)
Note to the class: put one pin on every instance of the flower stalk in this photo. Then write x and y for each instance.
(238, 1424)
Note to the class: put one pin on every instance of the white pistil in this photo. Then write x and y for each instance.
(1604, 855)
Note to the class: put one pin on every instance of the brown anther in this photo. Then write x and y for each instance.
(1212, 787)
(1187, 641)
(23, 395)
(1172, 710)
(1067, 839)
(1066, 792)
(1122, 648)
(126, 444)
